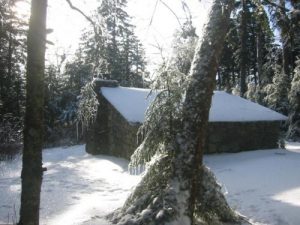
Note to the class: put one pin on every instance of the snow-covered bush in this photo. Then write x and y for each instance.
(11, 135)
(277, 92)
(87, 107)
(294, 100)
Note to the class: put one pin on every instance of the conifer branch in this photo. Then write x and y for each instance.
(275, 5)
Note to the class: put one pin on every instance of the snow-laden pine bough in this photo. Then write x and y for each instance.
(177, 189)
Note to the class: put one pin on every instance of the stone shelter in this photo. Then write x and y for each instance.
(235, 124)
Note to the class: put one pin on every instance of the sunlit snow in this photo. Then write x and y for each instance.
(132, 103)
(77, 187)
(80, 189)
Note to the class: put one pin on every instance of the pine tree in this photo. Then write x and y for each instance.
(295, 27)
(121, 55)
(228, 67)
(247, 45)
(12, 54)
(184, 44)
(277, 92)
(294, 100)
(280, 17)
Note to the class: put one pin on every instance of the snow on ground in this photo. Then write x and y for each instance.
(79, 189)
(263, 185)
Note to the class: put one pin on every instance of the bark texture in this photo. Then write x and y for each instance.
(177, 189)
(190, 142)
(32, 170)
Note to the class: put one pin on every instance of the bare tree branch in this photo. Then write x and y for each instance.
(97, 32)
(80, 11)
(151, 20)
(186, 10)
(171, 10)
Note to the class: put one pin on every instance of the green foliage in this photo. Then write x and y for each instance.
(11, 129)
(116, 52)
(294, 100)
(161, 117)
(110, 49)
(12, 54)
(161, 121)
(295, 87)
(63, 83)
(184, 45)
(259, 37)
(87, 106)
(277, 92)
(254, 93)
(12, 77)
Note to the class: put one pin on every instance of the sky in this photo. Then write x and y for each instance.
(68, 24)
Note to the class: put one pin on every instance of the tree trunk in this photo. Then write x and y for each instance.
(243, 53)
(259, 54)
(283, 23)
(191, 139)
(32, 171)
(295, 23)
(172, 191)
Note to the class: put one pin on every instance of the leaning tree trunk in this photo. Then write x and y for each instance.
(32, 171)
(177, 189)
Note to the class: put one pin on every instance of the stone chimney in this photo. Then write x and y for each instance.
(99, 83)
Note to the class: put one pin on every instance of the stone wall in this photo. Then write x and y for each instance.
(242, 136)
(123, 139)
(97, 135)
(111, 134)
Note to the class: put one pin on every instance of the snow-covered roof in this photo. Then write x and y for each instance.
(132, 103)
(227, 107)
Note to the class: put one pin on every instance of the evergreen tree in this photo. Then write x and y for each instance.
(228, 67)
(121, 56)
(294, 100)
(12, 60)
(184, 45)
(63, 84)
(277, 92)
(280, 17)
(295, 27)
(247, 45)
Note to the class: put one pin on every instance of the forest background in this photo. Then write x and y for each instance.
(260, 62)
